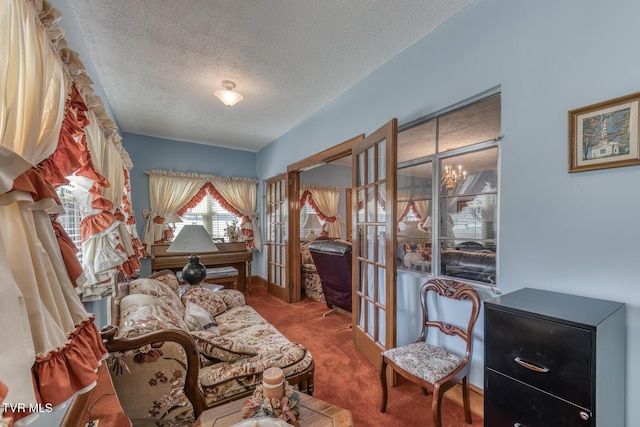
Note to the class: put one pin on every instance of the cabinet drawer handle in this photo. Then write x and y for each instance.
(530, 365)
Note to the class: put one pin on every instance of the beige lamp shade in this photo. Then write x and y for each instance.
(193, 238)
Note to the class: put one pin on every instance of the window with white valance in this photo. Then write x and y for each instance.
(324, 202)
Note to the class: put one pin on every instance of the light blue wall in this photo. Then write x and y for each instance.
(573, 233)
(331, 176)
(149, 153)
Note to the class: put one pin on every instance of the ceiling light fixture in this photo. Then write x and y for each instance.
(227, 95)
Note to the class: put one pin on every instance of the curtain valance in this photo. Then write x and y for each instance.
(201, 176)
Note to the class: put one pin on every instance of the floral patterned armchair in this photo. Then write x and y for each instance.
(170, 358)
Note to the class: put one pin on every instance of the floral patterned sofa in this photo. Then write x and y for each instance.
(311, 284)
(170, 357)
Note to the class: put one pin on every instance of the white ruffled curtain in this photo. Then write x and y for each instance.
(31, 101)
(402, 207)
(103, 246)
(326, 201)
(241, 194)
(168, 192)
(38, 297)
(420, 207)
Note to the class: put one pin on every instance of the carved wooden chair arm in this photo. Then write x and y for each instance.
(191, 385)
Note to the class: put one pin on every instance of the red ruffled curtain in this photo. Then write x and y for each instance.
(303, 199)
(307, 196)
(69, 252)
(71, 155)
(209, 188)
(59, 374)
(246, 232)
(405, 212)
(411, 207)
(129, 219)
(43, 124)
(195, 199)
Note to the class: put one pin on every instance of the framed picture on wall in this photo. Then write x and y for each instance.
(604, 135)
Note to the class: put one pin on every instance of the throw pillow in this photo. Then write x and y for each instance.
(141, 314)
(220, 348)
(205, 298)
(169, 278)
(158, 289)
(232, 298)
(199, 319)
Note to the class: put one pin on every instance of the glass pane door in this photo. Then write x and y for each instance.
(276, 224)
(374, 183)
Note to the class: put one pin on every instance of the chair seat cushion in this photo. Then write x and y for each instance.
(424, 360)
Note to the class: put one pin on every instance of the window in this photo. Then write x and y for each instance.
(211, 214)
(448, 169)
(71, 218)
(309, 222)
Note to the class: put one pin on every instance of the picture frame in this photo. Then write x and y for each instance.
(605, 135)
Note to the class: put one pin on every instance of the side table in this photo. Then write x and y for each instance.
(315, 413)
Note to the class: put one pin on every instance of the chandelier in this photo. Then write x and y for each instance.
(452, 176)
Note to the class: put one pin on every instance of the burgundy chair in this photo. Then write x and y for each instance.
(333, 263)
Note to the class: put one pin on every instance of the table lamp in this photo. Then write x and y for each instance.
(193, 238)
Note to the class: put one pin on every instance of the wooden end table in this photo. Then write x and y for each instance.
(315, 413)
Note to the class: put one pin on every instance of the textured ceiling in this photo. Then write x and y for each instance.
(160, 61)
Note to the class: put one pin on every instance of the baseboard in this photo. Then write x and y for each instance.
(258, 280)
(273, 289)
(476, 398)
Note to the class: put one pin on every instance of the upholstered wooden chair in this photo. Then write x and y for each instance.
(431, 366)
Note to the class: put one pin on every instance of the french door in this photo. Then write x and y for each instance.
(277, 224)
(374, 242)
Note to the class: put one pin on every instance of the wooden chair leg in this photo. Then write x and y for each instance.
(383, 383)
(436, 404)
(465, 399)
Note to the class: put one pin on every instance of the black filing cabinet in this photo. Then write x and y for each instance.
(554, 360)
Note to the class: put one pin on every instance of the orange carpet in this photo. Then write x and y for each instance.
(343, 376)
